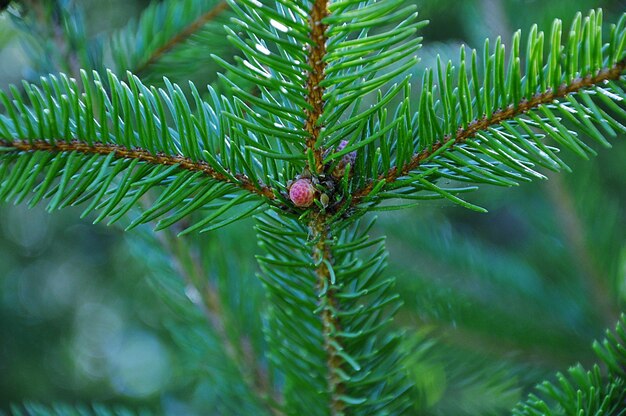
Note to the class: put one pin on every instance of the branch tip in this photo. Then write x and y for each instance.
(499, 116)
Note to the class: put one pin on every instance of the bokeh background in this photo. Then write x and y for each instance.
(494, 303)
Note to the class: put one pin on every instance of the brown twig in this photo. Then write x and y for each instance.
(184, 163)
(318, 227)
(499, 116)
(322, 256)
(317, 52)
(182, 36)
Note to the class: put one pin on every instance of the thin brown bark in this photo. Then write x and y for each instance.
(316, 75)
(318, 227)
(499, 116)
(184, 163)
(322, 256)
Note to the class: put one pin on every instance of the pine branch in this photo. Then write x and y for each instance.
(318, 228)
(121, 152)
(181, 36)
(329, 311)
(483, 130)
(293, 331)
(312, 67)
(274, 59)
(327, 327)
(585, 392)
(478, 125)
(316, 74)
(328, 308)
(483, 124)
(74, 144)
(172, 38)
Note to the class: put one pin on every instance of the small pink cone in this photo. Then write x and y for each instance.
(302, 193)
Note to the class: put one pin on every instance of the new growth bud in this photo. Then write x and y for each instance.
(348, 158)
(302, 193)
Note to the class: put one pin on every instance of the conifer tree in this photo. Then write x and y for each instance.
(313, 124)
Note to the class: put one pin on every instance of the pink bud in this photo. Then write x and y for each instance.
(302, 193)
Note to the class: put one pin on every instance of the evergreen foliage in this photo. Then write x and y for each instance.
(170, 36)
(586, 392)
(366, 371)
(62, 121)
(318, 90)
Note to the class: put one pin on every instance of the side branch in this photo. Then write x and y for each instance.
(316, 75)
(143, 155)
(328, 313)
(499, 116)
(182, 36)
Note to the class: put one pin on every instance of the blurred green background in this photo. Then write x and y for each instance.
(494, 303)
